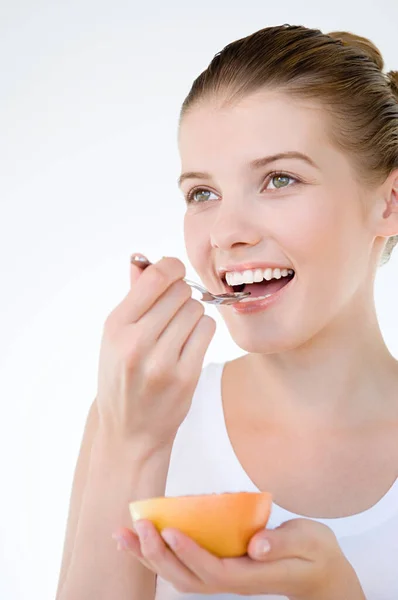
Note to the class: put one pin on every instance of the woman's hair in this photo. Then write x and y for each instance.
(340, 70)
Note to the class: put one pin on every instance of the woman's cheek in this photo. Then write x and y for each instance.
(197, 244)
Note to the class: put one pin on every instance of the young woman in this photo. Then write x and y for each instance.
(289, 147)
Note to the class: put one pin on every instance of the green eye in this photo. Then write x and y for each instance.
(190, 197)
(280, 177)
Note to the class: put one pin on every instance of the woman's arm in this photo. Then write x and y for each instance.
(78, 487)
(118, 474)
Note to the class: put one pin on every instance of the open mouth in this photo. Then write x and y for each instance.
(261, 288)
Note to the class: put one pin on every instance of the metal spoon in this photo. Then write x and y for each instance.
(232, 298)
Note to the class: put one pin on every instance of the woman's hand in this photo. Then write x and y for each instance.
(151, 356)
(304, 562)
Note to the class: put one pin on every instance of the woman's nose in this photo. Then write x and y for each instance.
(232, 227)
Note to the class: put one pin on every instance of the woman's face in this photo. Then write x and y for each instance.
(310, 219)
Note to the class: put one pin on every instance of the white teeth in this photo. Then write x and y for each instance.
(255, 275)
(258, 275)
(248, 276)
(268, 274)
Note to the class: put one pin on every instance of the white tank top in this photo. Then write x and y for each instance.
(203, 462)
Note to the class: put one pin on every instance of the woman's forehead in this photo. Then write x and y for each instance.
(258, 110)
(254, 125)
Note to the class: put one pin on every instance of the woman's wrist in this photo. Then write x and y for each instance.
(342, 583)
(137, 449)
(144, 466)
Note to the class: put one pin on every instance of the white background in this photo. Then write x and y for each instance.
(90, 94)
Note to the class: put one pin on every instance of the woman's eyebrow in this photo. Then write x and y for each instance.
(253, 165)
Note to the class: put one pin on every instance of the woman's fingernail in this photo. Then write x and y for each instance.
(170, 539)
(142, 530)
(122, 543)
(262, 547)
(136, 257)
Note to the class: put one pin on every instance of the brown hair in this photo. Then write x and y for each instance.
(341, 70)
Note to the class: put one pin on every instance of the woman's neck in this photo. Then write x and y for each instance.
(343, 378)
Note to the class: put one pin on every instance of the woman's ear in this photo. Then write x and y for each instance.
(387, 207)
(392, 202)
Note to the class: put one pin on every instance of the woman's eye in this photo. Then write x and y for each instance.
(191, 196)
(282, 177)
(279, 177)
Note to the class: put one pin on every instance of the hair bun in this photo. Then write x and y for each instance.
(393, 80)
(362, 44)
(365, 46)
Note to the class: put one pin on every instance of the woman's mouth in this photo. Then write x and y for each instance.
(260, 289)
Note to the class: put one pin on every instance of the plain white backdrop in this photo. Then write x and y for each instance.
(90, 94)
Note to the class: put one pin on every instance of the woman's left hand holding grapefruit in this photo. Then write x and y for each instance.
(304, 562)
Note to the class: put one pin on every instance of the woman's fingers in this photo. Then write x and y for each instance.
(194, 349)
(158, 318)
(179, 329)
(146, 289)
(164, 562)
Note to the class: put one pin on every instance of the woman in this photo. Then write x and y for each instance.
(289, 146)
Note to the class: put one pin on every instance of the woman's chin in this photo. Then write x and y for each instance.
(263, 342)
